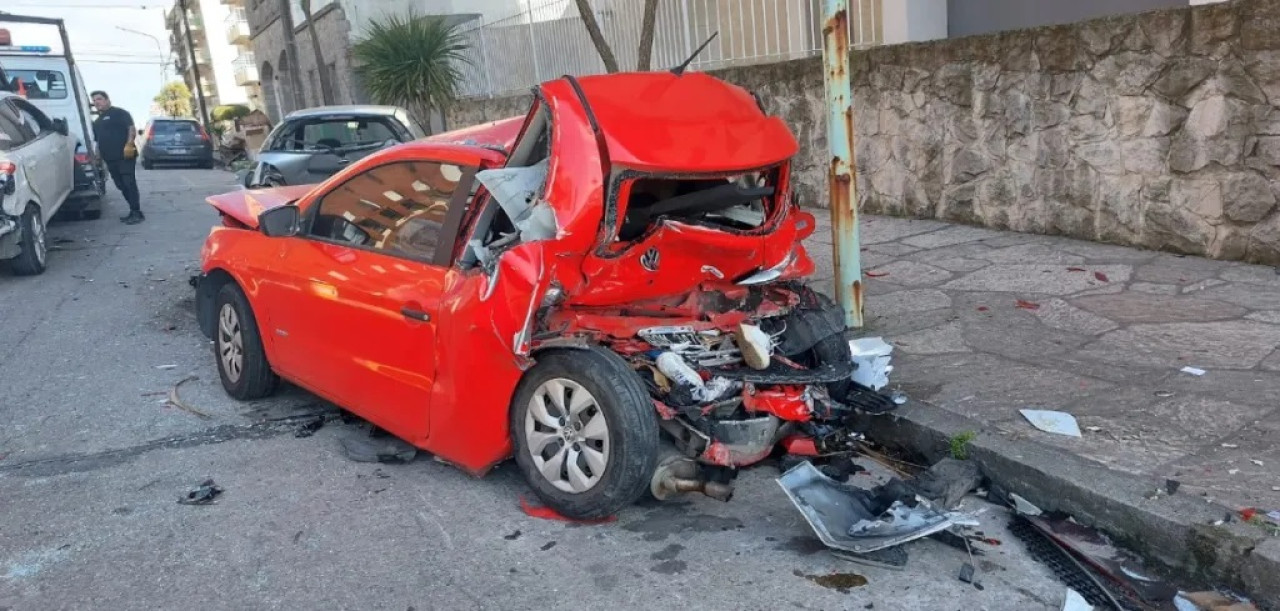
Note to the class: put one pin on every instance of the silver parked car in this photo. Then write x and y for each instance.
(313, 144)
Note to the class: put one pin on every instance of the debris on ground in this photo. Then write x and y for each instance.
(857, 520)
(872, 356)
(947, 482)
(204, 494)
(1023, 506)
(1195, 371)
(176, 400)
(1101, 277)
(1026, 305)
(893, 558)
(1075, 602)
(1210, 601)
(840, 582)
(375, 446)
(166, 367)
(546, 513)
(1059, 423)
(309, 427)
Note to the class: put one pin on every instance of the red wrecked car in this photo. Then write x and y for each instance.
(609, 289)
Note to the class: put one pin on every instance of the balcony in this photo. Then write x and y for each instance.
(237, 28)
(246, 71)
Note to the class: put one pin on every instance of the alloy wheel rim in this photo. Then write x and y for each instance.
(230, 343)
(567, 435)
(37, 237)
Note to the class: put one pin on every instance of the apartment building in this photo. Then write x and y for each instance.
(244, 68)
(213, 66)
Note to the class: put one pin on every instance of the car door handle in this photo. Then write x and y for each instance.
(409, 312)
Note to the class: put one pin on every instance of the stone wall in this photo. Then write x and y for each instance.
(1155, 130)
(1158, 130)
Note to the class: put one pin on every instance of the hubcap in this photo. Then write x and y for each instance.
(567, 435)
(37, 239)
(230, 343)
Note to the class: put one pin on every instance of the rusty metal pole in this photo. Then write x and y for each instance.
(840, 179)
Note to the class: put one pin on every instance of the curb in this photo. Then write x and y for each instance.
(1175, 531)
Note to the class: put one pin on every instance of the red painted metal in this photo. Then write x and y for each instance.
(789, 403)
(800, 445)
(329, 313)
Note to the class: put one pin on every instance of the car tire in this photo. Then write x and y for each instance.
(237, 347)
(609, 456)
(34, 251)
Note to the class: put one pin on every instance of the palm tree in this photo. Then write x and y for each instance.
(326, 88)
(411, 61)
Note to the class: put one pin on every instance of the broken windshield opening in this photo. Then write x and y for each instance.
(741, 202)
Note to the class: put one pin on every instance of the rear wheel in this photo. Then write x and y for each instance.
(585, 433)
(237, 345)
(34, 248)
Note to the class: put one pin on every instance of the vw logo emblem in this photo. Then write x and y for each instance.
(650, 259)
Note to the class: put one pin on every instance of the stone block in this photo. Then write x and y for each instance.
(1264, 67)
(1120, 208)
(1182, 75)
(1247, 196)
(1058, 49)
(1165, 30)
(1213, 28)
(1129, 72)
(1146, 156)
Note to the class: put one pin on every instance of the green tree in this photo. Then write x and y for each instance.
(411, 61)
(230, 112)
(175, 99)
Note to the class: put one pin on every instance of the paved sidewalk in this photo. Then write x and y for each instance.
(1102, 332)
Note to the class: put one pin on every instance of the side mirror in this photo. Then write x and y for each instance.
(60, 126)
(279, 222)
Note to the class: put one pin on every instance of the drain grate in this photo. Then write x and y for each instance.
(1093, 587)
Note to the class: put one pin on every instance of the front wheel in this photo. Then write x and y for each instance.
(237, 345)
(585, 433)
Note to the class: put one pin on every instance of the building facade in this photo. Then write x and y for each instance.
(244, 68)
(213, 67)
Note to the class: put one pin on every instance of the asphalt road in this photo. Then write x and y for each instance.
(92, 463)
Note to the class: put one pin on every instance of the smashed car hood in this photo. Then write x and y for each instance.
(246, 205)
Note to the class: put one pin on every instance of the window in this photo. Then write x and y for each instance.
(312, 135)
(32, 118)
(175, 127)
(12, 132)
(398, 207)
(39, 84)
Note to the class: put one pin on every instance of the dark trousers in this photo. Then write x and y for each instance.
(122, 174)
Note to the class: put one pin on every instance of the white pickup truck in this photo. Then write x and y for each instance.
(52, 83)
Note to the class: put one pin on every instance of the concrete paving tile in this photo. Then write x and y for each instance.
(959, 264)
(1106, 253)
(1168, 269)
(939, 340)
(1249, 296)
(1232, 344)
(987, 387)
(1032, 253)
(1196, 287)
(1059, 314)
(1256, 387)
(1268, 316)
(1225, 470)
(1155, 289)
(1036, 279)
(917, 300)
(881, 229)
(1108, 289)
(1271, 363)
(910, 273)
(1261, 275)
(1131, 307)
(893, 249)
(952, 235)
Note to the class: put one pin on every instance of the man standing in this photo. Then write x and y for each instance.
(115, 132)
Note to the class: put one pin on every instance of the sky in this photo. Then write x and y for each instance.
(126, 65)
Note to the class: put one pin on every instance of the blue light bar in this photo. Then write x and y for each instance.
(28, 49)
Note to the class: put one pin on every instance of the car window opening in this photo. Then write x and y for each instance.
(740, 202)
(519, 215)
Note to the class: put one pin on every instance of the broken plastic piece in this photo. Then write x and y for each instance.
(547, 513)
(893, 558)
(948, 481)
(872, 356)
(1059, 423)
(1195, 371)
(1023, 506)
(755, 346)
(898, 397)
(834, 511)
(360, 447)
(516, 191)
(677, 370)
(204, 494)
(1075, 602)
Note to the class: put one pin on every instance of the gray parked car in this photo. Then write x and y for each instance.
(313, 144)
(175, 141)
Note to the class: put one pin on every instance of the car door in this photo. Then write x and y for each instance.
(50, 160)
(358, 296)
